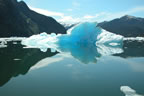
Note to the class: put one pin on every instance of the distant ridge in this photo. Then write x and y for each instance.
(16, 19)
(128, 26)
(69, 25)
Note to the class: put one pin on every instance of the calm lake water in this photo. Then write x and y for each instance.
(30, 72)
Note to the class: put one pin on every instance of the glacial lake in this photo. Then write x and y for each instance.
(30, 72)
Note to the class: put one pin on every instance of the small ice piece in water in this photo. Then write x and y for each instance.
(16, 59)
(135, 38)
(3, 43)
(129, 91)
(14, 42)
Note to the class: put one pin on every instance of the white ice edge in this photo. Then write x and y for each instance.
(13, 39)
(134, 38)
(3, 41)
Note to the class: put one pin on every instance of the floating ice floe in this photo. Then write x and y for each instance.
(129, 91)
(3, 41)
(12, 39)
(135, 38)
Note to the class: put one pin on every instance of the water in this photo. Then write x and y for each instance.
(83, 72)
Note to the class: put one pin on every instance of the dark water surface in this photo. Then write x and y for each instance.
(30, 72)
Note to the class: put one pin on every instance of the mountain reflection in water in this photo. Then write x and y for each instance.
(16, 60)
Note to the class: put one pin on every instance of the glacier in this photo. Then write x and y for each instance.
(85, 38)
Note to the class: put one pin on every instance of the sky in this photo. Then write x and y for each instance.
(87, 10)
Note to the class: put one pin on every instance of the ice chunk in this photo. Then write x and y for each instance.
(129, 91)
(108, 38)
(135, 38)
(42, 41)
(3, 43)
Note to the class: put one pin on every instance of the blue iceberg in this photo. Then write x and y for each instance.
(81, 34)
(89, 33)
(84, 39)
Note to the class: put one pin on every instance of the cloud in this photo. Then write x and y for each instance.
(75, 4)
(69, 19)
(47, 12)
(109, 16)
(70, 9)
(136, 9)
(61, 17)
(94, 16)
(99, 17)
(88, 17)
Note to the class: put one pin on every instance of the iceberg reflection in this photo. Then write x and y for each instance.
(88, 53)
(17, 61)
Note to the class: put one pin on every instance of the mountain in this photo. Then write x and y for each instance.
(128, 26)
(69, 25)
(16, 19)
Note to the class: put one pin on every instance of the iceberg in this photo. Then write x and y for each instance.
(81, 34)
(89, 33)
(80, 40)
